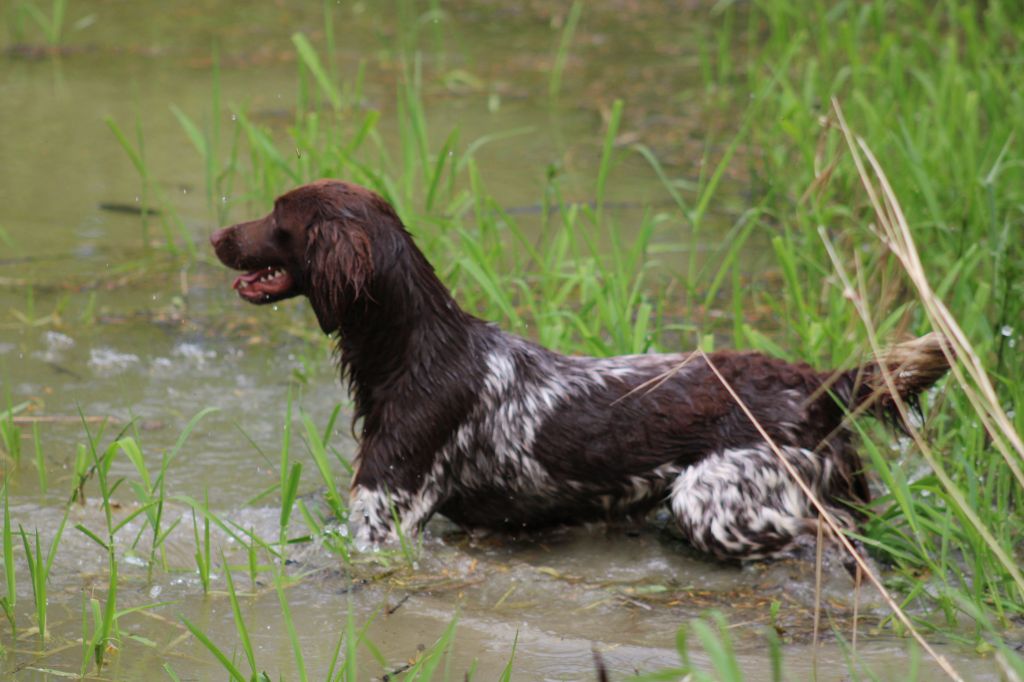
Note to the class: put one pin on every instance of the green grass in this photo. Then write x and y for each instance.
(929, 88)
(568, 31)
(936, 106)
(51, 24)
(10, 597)
(177, 240)
(39, 566)
(933, 92)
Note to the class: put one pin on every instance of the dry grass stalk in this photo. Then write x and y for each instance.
(836, 530)
(964, 361)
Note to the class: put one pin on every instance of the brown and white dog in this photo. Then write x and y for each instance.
(491, 430)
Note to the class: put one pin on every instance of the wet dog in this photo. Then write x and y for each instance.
(459, 418)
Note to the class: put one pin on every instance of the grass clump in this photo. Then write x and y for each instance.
(931, 94)
(51, 24)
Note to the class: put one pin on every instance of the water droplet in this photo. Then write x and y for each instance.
(1007, 330)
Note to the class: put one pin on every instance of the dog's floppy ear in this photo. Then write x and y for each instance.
(339, 261)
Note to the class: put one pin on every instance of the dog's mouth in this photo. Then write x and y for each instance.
(266, 285)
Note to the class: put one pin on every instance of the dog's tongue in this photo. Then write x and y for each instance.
(265, 285)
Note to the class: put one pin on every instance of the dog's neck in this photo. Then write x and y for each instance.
(392, 338)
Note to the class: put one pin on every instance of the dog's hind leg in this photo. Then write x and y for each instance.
(743, 504)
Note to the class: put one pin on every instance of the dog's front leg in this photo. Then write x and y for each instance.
(374, 510)
(370, 517)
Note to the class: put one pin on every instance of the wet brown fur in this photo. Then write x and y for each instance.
(417, 365)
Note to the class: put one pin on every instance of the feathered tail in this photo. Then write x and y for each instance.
(911, 367)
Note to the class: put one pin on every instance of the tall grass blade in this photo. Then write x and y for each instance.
(606, 154)
(225, 662)
(312, 62)
(319, 452)
(564, 43)
(243, 632)
(40, 460)
(293, 635)
(10, 598)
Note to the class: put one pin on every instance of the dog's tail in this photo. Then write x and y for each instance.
(911, 367)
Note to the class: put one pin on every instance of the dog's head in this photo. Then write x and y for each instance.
(318, 242)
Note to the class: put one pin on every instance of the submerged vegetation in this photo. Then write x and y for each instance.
(874, 152)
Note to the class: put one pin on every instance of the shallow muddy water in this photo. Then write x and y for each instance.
(86, 331)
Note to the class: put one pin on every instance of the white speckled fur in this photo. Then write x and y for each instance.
(369, 516)
(510, 410)
(730, 502)
(736, 503)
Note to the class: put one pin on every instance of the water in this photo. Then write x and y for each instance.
(81, 331)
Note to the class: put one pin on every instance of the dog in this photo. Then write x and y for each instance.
(457, 417)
